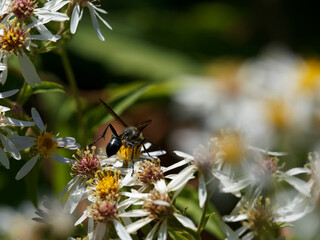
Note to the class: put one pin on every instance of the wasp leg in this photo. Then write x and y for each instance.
(104, 133)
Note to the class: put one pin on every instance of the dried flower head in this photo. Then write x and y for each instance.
(103, 211)
(22, 9)
(158, 205)
(149, 171)
(87, 164)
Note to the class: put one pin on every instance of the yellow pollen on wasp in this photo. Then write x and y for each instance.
(126, 154)
(107, 184)
(46, 144)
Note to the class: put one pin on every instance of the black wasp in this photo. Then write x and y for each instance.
(130, 138)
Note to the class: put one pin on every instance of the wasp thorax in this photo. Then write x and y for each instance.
(158, 205)
(13, 37)
(22, 9)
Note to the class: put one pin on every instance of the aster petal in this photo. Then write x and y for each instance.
(4, 159)
(296, 171)
(176, 165)
(82, 218)
(184, 155)
(163, 230)
(18, 123)
(95, 21)
(182, 178)
(298, 184)
(202, 191)
(133, 227)
(75, 18)
(186, 222)
(60, 159)
(22, 142)
(234, 218)
(90, 228)
(267, 152)
(70, 184)
(74, 199)
(161, 203)
(121, 231)
(68, 142)
(100, 231)
(161, 186)
(134, 213)
(104, 21)
(55, 5)
(8, 93)
(4, 69)
(26, 168)
(99, 9)
(45, 34)
(46, 16)
(37, 119)
(28, 70)
(152, 232)
(10, 147)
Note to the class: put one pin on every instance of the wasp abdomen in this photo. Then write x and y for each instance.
(113, 146)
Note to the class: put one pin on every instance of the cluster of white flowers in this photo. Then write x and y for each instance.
(23, 21)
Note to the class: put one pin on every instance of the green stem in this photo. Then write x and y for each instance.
(21, 93)
(74, 88)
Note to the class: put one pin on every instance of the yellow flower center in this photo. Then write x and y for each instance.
(13, 37)
(46, 144)
(232, 146)
(278, 114)
(107, 184)
(311, 76)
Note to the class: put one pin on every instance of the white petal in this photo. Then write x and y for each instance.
(182, 178)
(152, 232)
(18, 123)
(4, 159)
(296, 171)
(75, 18)
(70, 184)
(104, 21)
(121, 231)
(161, 186)
(28, 70)
(95, 21)
(299, 185)
(68, 142)
(26, 168)
(60, 159)
(10, 147)
(22, 142)
(176, 165)
(161, 203)
(8, 93)
(100, 231)
(236, 218)
(90, 228)
(185, 221)
(202, 191)
(133, 227)
(162, 234)
(4, 73)
(46, 16)
(267, 152)
(74, 199)
(45, 34)
(37, 119)
(134, 213)
(184, 155)
(82, 218)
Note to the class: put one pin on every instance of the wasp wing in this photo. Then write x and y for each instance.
(143, 125)
(115, 116)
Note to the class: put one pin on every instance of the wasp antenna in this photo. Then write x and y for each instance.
(143, 125)
(115, 116)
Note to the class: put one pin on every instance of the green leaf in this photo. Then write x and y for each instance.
(45, 87)
(177, 236)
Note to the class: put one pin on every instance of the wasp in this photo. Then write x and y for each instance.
(130, 141)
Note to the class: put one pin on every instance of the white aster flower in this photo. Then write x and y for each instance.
(44, 144)
(103, 214)
(9, 146)
(78, 6)
(14, 40)
(156, 206)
